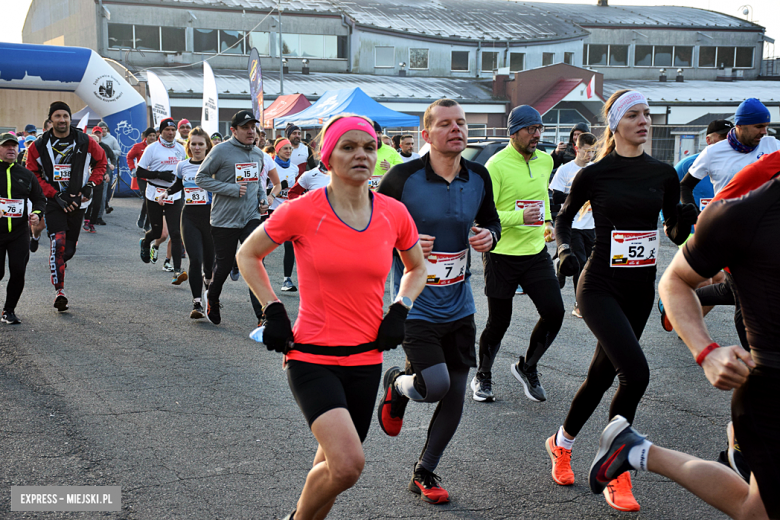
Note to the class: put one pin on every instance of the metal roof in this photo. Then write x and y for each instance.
(189, 82)
(696, 92)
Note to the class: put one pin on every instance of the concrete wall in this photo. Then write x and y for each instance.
(440, 54)
(693, 38)
(62, 22)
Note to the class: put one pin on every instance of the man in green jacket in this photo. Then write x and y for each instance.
(520, 175)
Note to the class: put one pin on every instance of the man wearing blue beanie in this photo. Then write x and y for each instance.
(520, 175)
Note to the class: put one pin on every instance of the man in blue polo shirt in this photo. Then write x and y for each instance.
(446, 195)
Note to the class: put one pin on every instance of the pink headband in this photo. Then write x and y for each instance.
(339, 128)
(280, 144)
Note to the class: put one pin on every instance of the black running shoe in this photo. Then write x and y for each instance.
(168, 265)
(109, 209)
(234, 274)
(212, 312)
(145, 252)
(529, 377)
(611, 461)
(9, 317)
(482, 386)
(61, 301)
(99, 222)
(197, 311)
(426, 484)
(33, 245)
(391, 411)
(140, 222)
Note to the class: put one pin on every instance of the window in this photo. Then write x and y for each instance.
(291, 45)
(618, 55)
(173, 39)
(477, 130)
(744, 58)
(683, 56)
(120, 36)
(260, 41)
(330, 47)
(384, 57)
(205, 40)
(489, 61)
(568, 58)
(418, 59)
(548, 58)
(725, 57)
(706, 56)
(342, 46)
(643, 56)
(597, 54)
(312, 45)
(460, 61)
(231, 42)
(516, 61)
(147, 38)
(662, 56)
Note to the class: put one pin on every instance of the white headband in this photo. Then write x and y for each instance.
(621, 106)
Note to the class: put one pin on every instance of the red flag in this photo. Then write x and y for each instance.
(591, 88)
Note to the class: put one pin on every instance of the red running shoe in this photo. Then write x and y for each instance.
(426, 484)
(391, 412)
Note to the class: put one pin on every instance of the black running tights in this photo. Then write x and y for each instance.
(725, 293)
(172, 214)
(616, 312)
(15, 245)
(225, 242)
(196, 233)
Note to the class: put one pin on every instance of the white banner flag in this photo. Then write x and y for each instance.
(83, 123)
(209, 117)
(161, 107)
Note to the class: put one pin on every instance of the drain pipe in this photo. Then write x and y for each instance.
(351, 27)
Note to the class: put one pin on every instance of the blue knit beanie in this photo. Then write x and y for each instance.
(752, 112)
(521, 117)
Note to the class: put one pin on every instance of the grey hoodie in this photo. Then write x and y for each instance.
(217, 174)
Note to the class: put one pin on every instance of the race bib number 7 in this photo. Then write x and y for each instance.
(446, 268)
(633, 248)
(247, 172)
(13, 208)
(520, 205)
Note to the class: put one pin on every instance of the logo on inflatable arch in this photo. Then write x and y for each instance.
(105, 88)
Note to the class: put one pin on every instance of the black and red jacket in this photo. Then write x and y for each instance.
(87, 164)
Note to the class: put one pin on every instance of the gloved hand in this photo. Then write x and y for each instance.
(64, 200)
(278, 334)
(391, 331)
(166, 176)
(86, 190)
(687, 214)
(568, 265)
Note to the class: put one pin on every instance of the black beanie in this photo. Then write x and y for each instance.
(148, 131)
(378, 130)
(58, 105)
(290, 129)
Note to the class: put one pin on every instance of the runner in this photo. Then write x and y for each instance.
(232, 173)
(18, 186)
(446, 195)
(310, 180)
(195, 227)
(133, 156)
(407, 148)
(183, 130)
(721, 240)
(91, 215)
(386, 158)
(216, 138)
(68, 165)
(301, 156)
(112, 171)
(156, 167)
(520, 174)
(287, 172)
(565, 152)
(627, 189)
(335, 362)
(583, 234)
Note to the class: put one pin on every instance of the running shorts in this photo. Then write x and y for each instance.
(427, 344)
(320, 388)
(755, 410)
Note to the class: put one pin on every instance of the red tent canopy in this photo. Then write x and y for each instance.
(284, 105)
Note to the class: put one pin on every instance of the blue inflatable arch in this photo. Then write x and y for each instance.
(83, 72)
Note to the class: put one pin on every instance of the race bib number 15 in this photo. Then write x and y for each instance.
(247, 172)
(633, 248)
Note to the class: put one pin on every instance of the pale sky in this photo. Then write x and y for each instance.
(765, 12)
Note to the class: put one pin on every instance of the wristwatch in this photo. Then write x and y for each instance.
(405, 301)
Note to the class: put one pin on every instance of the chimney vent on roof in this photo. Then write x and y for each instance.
(603, 3)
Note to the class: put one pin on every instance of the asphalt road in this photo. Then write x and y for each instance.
(196, 421)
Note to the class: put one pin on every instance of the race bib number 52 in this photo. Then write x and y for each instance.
(446, 268)
(633, 248)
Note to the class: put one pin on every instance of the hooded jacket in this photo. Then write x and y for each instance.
(217, 174)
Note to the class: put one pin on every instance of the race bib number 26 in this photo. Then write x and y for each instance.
(633, 248)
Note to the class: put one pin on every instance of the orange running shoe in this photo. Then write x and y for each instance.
(561, 462)
(426, 484)
(618, 494)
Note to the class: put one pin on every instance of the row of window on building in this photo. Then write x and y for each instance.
(212, 41)
(667, 56)
(384, 57)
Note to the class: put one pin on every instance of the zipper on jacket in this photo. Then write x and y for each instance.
(8, 180)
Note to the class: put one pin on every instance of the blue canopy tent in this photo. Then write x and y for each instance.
(349, 100)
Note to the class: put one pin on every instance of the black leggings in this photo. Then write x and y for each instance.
(725, 293)
(196, 232)
(582, 241)
(142, 186)
(17, 247)
(225, 242)
(94, 206)
(616, 311)
(172, 213)
(289, 259)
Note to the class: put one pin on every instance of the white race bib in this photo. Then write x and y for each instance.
(162, 194)
(633, 248)
(520, 205)
(446, 268)
(373, 182)
(703, 203)
(247, 172)
(195, 196)
(283, 194)
(13, 208)
(62, 172)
